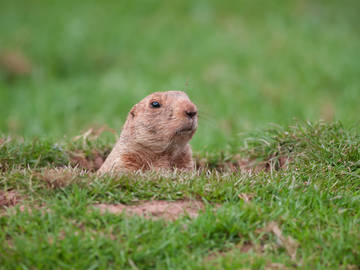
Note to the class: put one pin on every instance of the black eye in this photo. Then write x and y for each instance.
(155, 104)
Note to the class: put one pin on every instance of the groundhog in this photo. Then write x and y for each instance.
(156, 135)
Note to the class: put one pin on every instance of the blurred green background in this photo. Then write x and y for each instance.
(69, 65)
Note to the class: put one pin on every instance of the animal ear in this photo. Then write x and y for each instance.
(133, 111)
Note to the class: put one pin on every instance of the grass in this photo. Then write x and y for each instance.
(68, 66)
(315, 203)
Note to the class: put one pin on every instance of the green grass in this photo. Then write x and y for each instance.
(245, 64)
(315, 202)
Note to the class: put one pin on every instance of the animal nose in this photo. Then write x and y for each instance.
(191, 113)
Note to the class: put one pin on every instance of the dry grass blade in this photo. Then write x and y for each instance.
(94, 133)
(289, 244)
(58, 177)
(246, 197)
(9, 198)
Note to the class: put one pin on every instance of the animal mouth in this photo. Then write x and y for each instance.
(186, 130)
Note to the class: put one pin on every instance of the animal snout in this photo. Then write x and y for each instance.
(190, 113)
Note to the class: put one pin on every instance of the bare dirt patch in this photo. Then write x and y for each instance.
(9, 198)
(156, 209)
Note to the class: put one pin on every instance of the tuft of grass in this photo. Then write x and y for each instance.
(38, 153)
(309, 145)
(34, 153)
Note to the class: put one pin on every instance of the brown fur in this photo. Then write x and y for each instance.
(155, 138)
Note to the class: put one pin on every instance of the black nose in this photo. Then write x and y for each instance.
(191, 114)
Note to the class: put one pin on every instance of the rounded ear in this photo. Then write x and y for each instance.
(133, 111)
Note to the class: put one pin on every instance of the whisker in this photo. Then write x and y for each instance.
(206, 117)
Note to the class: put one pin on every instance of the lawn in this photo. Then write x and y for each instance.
(273, 80)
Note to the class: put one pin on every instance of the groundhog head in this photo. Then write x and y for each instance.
(162, 120)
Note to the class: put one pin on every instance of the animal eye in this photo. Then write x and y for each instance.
(155, 104)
